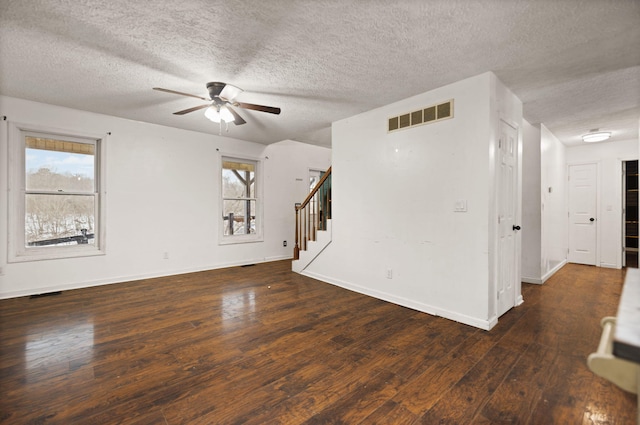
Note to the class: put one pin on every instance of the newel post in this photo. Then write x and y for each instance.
(296, 248)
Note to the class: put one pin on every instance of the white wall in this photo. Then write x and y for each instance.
(531, 201)
(288, 177)
(162, 196)
(394, 197)
(609, 157)
(554, 226)
(545, 223)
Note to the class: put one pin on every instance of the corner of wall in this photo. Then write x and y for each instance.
(4, 165)
(554, 226)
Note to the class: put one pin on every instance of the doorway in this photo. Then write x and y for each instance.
(630, 213)
(314, 178)
(508, 272)
(583, 203)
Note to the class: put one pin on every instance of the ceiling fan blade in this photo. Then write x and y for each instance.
(215, 88)
(195, 108)
(261, 108)
(230, 92)
(180, 93)
(237, 119)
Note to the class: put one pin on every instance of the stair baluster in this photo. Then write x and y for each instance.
(312, 214)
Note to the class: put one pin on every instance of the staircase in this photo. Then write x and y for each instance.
(313, 224)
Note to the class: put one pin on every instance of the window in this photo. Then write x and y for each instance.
(55, 210)
(240, 200)
(314, 179)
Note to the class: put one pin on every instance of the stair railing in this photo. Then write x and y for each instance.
(312, 214)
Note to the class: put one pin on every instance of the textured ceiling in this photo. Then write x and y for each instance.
(574, 63)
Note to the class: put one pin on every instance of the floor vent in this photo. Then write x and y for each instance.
(441, 111)
(46, 294)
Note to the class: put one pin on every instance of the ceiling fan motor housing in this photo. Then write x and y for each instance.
(215, 88)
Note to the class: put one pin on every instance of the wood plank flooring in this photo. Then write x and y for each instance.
(263, 345)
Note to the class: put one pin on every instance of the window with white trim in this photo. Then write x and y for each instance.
(240, 203)
(56, 198)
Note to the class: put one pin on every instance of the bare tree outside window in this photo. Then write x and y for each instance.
(60, 192)
(239, 200)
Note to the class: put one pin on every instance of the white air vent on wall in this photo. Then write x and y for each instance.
(441, 111)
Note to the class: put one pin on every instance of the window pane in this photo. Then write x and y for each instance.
(235, 213)
(59, 165)
(53, 220)
(238, 179)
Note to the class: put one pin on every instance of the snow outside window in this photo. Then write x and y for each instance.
(56, 201)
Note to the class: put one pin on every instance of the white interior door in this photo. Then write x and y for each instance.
(582, 213)
(507, 227)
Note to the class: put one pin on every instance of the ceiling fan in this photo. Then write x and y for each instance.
(221, 99)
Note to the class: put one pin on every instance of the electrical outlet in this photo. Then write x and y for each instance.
(284, 243)
(389, 273)
(165, 255)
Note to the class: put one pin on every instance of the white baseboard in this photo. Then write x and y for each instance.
(130, 278)
(313, 249)
(553, 271)
(425, 308)
(545, 277)
(277, 258)
(533, 280)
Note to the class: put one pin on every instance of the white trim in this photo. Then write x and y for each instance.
(533, 280)
(17, 252)
(494, 228)
(133, 278)
(598, 165)
(311, 171)
(554, 270)
(4, 192)
(314, 249)
(277, 258)
(240, 239)
(425, 308)
(55, 131)
(259, 193)
(622, 217)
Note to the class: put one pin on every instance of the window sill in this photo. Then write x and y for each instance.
(232, 240)
(58, 254)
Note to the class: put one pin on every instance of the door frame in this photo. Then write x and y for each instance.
(623, 230)
(598, 165)
(494, 226)
(310, 172)
(623, 214)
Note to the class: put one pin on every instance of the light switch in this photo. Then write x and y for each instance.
(460, 205)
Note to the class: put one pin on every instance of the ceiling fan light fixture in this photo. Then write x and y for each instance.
(596, 136)
(212, 113)
(218, 113)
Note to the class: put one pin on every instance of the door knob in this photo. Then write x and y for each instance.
(516, 227)
(592, 219)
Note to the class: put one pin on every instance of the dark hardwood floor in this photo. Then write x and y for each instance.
(262, 345)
